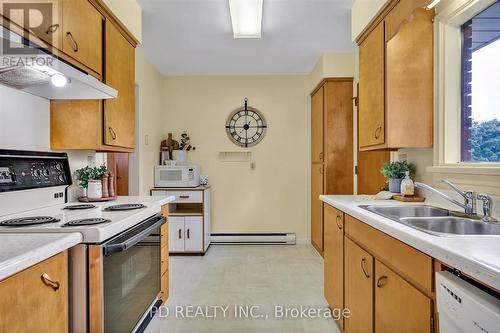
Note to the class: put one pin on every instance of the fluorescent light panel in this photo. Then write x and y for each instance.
(246, 18)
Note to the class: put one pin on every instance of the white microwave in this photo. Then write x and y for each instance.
(177, 176)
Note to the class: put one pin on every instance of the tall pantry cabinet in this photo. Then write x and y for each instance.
(331, 147)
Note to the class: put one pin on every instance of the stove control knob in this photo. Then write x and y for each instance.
(37, 173)
(62, 178)
(46, 172)
(59, 167)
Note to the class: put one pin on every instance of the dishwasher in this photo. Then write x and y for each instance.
(464, 308)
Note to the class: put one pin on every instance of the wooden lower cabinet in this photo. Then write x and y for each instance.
(36, 299)
(399, 307)
(358, 288)
(334, 259)
(383, 284)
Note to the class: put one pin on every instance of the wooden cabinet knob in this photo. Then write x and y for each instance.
(72, 40)
(321, 156)
(321, 169)
(363, 267)
(377, 132)
(382, 281)
(48, 281)
(338, 220)
(52, 28)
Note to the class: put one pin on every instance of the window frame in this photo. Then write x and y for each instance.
(447, 163)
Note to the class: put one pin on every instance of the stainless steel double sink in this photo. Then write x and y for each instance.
(436, 221)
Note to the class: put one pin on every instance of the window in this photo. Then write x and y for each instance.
(480, 119)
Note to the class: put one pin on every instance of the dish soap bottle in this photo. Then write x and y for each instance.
(407, 186)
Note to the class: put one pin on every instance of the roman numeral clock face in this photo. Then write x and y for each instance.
(246, 127)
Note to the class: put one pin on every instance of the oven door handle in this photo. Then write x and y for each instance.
(142, 231)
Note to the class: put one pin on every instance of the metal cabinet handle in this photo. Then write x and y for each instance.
(73, 41)
(382, 281)
(321, 156)
(338, 220)
(363, 264)
(377, 132)
(47, 280)
(180, 233)
(188, 234)
(52, 28)
(184, 196)
(113, 133)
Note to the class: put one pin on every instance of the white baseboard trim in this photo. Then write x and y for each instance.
(253, 238)
(303, 241)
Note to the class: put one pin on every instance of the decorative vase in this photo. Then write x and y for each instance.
(179, 155)
(94, 189)
(395, 185)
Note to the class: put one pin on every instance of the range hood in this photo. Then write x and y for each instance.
(33, 70)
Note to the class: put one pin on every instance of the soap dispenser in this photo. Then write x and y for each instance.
(407, 186)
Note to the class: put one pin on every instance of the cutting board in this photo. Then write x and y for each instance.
(408, 199)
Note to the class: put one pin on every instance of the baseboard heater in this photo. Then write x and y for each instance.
(253, 238)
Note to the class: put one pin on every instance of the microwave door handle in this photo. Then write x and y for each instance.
(113, 247)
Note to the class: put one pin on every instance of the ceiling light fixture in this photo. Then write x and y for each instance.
(246, 18)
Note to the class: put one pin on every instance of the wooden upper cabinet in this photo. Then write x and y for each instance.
(36, 299)
(359, 275)
(396, 79)
(82, 33)
(44, 19)
(409, 80)
(317, 206)
(399, 307)
(371, 89)
(334, 259)
(119, 114)
(317, 155)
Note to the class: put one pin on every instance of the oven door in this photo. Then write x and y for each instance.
(131, 276)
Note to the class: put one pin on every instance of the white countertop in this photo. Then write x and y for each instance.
(478, 257)
(19, 251)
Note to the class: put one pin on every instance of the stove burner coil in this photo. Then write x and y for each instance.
(90, 221)
(124, 207)
(27, 221)
(77, 207)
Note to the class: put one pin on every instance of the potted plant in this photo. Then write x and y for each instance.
(395, 172)
(91, 176)
(181, 148)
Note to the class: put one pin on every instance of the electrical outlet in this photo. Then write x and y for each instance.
(91, 160)
(252, 165)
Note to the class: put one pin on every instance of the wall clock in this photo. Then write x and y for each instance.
(246, 126)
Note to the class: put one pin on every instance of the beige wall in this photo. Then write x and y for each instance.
(276, 195)
(129, 13)
(149, 114)
(332, 65)
(362, 13)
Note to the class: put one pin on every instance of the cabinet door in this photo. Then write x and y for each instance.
(334, 258)
(119, 112)
(176, 234)
(44, 18)
(317, 206)
(399, 307)
(358, 288)
(82, 33)
(193, 233)
(371, 89)
(317, 154)
(28, 304)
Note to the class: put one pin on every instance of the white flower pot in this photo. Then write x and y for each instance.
(94, 189)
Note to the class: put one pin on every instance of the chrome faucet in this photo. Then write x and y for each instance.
(487, 207)
(469, 204)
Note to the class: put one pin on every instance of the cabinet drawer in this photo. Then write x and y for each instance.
(36, 299)
(183, 196)
(414, 265)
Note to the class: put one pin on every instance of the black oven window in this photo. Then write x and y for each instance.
(480, 118)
